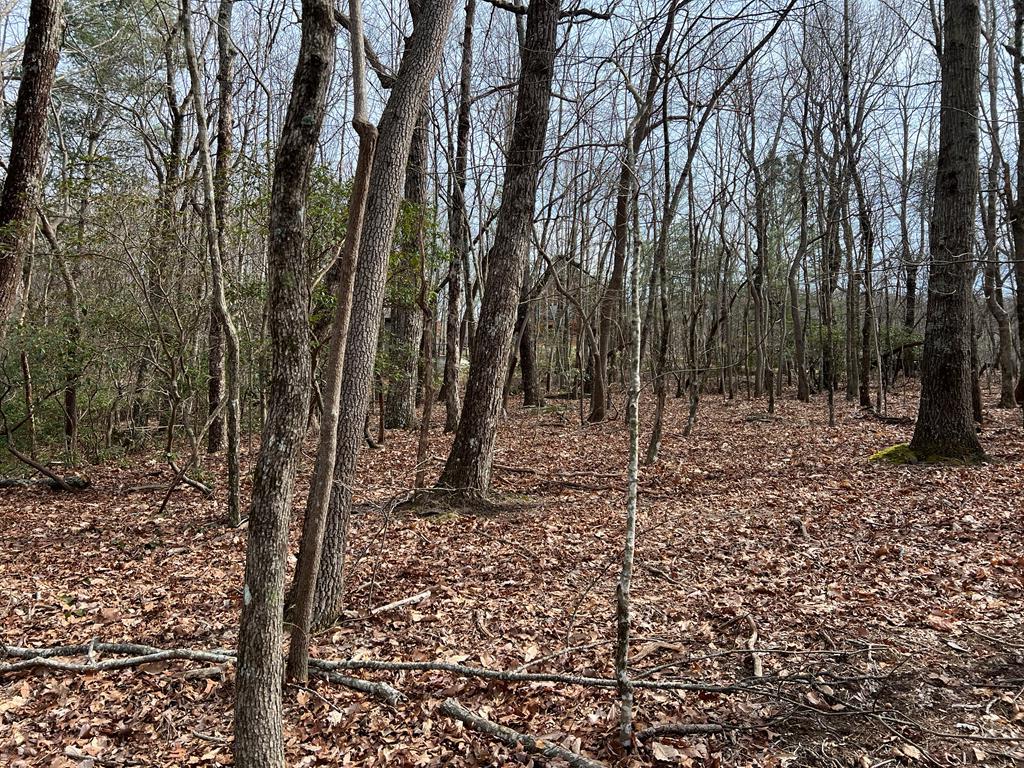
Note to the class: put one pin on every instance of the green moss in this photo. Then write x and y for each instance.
(896, 454)
(902, 454)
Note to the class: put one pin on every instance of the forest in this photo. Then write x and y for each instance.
(511, 382)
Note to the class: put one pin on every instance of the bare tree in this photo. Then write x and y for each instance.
(259, 740)
(395, 132)
(945, 424)
(468, 468)
(323, 471)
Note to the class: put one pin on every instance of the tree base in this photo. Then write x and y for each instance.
(444, 504)
(905, 454)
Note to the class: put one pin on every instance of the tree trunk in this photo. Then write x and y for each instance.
(528, 365)
(406, 316)
(993, 281)
(945, 426)
(803, 391)
(214, 241)
(1016, 209)
(259, 741)
(225, 86)
(394, 138)
(22, 185)
(612, 296)
(458, 226)
(318, 500)
(468, 468)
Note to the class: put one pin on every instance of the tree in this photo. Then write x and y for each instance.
(394, 139)
(992, 284)
(225, 84)
(28, 144)
(215, 240)
(468, 468)
(945, 425)
(323, 471)
(259, 739)
(458, 227)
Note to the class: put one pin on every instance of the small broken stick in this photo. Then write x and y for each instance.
(755, 657)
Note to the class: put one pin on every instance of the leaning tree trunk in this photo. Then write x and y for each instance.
(259, 738)
(22, 185)
(468, 468)
(458, 224)
(394, 138)
(945, 426)
(318, 500)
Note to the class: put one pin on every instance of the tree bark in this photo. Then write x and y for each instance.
(458, 226)
(945, 427)
(406, 317)
(468, 468)
(311, 548)
(22, 185)
(214, 241)
(259, 739)
(1016, 208)
(225, 86)
(394, 138)
(993, 282)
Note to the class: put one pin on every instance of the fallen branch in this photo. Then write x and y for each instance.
(49, 658)
(142, 654)
(399, 603)
(381, 691)
(684, 729)
(514, 739)
(69, 484)
(66, 483)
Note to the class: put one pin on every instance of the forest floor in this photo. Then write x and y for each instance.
(887, 602)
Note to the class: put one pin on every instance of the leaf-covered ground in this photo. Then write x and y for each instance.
(886, 602)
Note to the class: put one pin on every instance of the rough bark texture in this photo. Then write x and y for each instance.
(468, 468)
(318, 499)
(458, 226)
(395, 132)
(406, 327)
(945, 427)
(1016, 209)
(28, 146)
(258, 727)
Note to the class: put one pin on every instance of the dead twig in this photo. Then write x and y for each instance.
(514, 739)
(684, 729)
(755, 658)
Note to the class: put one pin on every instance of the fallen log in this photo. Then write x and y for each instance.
(70, 483)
